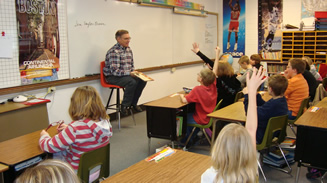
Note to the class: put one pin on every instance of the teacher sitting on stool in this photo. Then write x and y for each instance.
(119, 70)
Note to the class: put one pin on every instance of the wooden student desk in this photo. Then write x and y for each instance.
(18, 151)
(233, 113)
(311, 138)
(161, 118)
(17, 119)
(180, 167)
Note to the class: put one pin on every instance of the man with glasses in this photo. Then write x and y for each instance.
(119, 70)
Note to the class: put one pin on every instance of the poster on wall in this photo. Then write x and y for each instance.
(234, 27)
(270, 23)
(310, 6)
(38, 39)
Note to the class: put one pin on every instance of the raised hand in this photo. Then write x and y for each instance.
(255, 81)
(217, 51)
(196, 48)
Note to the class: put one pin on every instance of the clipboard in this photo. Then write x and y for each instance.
(143, 76)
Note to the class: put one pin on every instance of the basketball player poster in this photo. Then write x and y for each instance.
(270, 23)
(234, 27)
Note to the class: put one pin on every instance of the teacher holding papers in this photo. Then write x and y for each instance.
(119, 70)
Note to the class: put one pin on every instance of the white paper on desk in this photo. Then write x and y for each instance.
(175, 94)
(6, 49)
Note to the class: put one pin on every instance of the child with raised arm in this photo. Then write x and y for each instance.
(226, 82)
(204, 96)
(234, 152)
(276, 106)
(89, 130)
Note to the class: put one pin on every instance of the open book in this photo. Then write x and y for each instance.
(143, 76)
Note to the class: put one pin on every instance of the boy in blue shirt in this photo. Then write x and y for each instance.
(276, 106)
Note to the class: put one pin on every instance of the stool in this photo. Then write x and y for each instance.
(117, 105)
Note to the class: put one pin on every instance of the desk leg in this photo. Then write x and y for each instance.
(2, 180)
(298, 172)
(149, 146)
(213, 133)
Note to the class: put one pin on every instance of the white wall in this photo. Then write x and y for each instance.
(167, 82)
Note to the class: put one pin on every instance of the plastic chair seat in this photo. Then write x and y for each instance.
(203, 127)
(94, 165)
(238, 96)
(304, 104)
(275, 124)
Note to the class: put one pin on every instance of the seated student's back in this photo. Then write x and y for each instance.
(234, 152)
(276, 106)
(89, 130)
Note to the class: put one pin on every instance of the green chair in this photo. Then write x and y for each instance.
(238, 96)
(304, 104)
(275, 124)
(94, 165)
(203, 127)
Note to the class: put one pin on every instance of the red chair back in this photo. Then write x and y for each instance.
(103, 80)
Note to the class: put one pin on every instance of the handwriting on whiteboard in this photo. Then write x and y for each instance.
(88, 24)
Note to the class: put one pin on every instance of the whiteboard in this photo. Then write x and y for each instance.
(159, 37)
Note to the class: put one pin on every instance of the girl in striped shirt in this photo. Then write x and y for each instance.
(89, 130)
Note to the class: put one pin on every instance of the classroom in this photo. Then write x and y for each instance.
(161, 42)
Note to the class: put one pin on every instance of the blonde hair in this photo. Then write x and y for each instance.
(243, 59)
(208, 77)
(307, 59)
(51, 170)
(86, 103)
(233, 156)
(225, 69)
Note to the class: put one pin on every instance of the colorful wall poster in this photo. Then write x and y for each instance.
(234, 27)
(310, 6)
(38, 38)
(270, 23)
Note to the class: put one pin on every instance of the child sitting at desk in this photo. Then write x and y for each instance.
(89, 130)
(226, 82)
(244, 62)
(234, 152)
(204, 96)
(276, 106)
(297, 88)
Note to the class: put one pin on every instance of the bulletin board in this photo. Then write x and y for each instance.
(9, 64)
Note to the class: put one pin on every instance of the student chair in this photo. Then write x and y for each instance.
(94, 165)
(304, 105)
(202, 127)
(275, 124)
(238, 96)
(117, 105)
